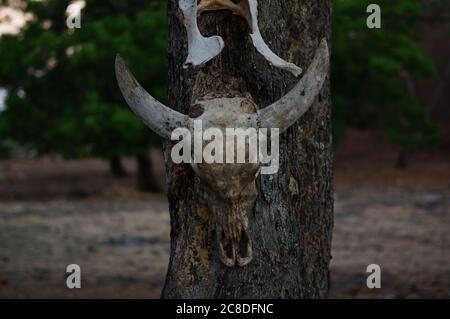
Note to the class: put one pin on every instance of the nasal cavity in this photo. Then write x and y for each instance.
(243, 244)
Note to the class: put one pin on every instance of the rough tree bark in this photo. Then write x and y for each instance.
(291, 224)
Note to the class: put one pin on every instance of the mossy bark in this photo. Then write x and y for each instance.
(291, 224)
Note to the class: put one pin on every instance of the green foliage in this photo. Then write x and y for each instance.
(62, 93)
(374, 70)
(63, 97)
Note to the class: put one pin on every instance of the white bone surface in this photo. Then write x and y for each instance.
(200, 49)
(282, 114)
(158, 117)
(262, 47)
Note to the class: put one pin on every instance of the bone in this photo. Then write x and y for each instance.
(231, 231)
(248, 9)
(224, 240)
(244, 261)
(227, 261)
(158, 117)
(285, 112)
(262, 47)
(232, 186)
(200, 49)
(212, 5)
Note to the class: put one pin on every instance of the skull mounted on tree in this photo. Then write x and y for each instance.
(230, 188)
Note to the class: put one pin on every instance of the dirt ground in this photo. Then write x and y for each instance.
(55, 213)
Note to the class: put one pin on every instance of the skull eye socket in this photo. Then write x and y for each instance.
(196, 111)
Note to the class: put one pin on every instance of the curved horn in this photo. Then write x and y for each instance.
(286, 111)
(158, 117)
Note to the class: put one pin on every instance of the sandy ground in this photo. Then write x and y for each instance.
(120, 238)
(123, 246)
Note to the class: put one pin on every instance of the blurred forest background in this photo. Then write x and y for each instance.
(69, 146)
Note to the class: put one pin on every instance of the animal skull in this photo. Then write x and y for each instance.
(230, 188)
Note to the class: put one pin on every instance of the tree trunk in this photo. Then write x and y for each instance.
(116, 167)
(146, 180)
(291, 224)
(402, 160)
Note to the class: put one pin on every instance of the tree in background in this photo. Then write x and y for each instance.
(440, 7)
(374, 73)
(291, 223)
(62, 96)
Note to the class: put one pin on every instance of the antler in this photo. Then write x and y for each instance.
(201, 49)
(248, 9)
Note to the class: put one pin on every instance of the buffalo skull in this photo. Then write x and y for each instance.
(230, 188)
